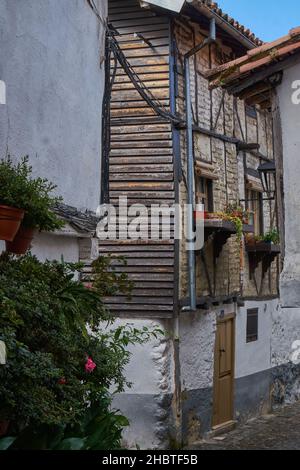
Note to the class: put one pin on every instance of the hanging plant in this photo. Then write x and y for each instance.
(236, 217)
(238, 224)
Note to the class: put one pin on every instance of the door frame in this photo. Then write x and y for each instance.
(220, 320)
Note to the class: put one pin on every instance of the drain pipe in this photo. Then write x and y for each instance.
(190, 165)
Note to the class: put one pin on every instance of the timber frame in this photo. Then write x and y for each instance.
(145, 159)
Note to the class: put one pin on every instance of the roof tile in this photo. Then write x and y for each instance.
(215, 7)
(254, 59)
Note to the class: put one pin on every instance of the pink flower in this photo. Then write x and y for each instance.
(88, 286)
(90, 365)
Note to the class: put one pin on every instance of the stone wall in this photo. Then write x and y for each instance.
(215, 109)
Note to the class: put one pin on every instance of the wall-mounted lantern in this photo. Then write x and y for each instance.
(267, 172)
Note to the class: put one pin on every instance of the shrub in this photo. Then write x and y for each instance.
(99, 429)
(52, 324)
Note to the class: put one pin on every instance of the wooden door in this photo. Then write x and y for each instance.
(224, 372)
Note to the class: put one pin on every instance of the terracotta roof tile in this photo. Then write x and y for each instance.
(295, 31)
(261, 56)
(246, 31)
(214, 7)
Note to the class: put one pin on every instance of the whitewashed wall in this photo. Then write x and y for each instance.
(147, 403)
(50, 61)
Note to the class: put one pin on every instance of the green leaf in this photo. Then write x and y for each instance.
(73, 443)
(6, 442)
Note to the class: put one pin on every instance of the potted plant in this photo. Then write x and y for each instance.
(250, 239)
(210, 215)
(14, 196)
(236, 211)
(271, 237)
(39, 213)
(234, 214)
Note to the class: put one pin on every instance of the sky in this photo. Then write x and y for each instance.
(268, 19)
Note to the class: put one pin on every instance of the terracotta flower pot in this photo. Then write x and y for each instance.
(209, 215)
(250, 240)
(21, 242)
(10, 221)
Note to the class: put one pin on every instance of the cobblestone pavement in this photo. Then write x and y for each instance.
(277, 431)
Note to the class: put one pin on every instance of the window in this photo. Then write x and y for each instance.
(252, 325)
(255, 208)
(204, 193)
(251, 111)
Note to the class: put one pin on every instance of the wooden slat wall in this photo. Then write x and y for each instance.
(141, 157)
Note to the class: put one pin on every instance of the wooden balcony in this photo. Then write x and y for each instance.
(261, 252)
(221, 230)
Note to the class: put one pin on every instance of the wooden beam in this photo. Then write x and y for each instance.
(226, 138)
(266, 104)
(244, 146)
(263, 74)
(252, 91)
(259, 98)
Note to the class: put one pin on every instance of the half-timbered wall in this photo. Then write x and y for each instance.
(147, 163)
(221, 120)
(141, 162)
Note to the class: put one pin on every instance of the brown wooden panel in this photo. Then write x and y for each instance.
(150, 70)
(133, 95)
(134, 105)
(142, 186)
(141, 144)
(120, 121)
(120, 3)
(153, 136)
(157, 262)
(151, 81)
(133, 300)
(146, 61)
(141, 158)
(118, 169)
(148, 307)
(133, 112)
(150, 28)
(131, 178)
(139, 152)
(133, 42)
(143, 52)
(133, 250)
(159, 292)
(136, 160)
(135, 23)
(140, 129)
(128, 14)
(157, 196)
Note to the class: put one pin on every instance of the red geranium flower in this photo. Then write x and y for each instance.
(90, 365)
